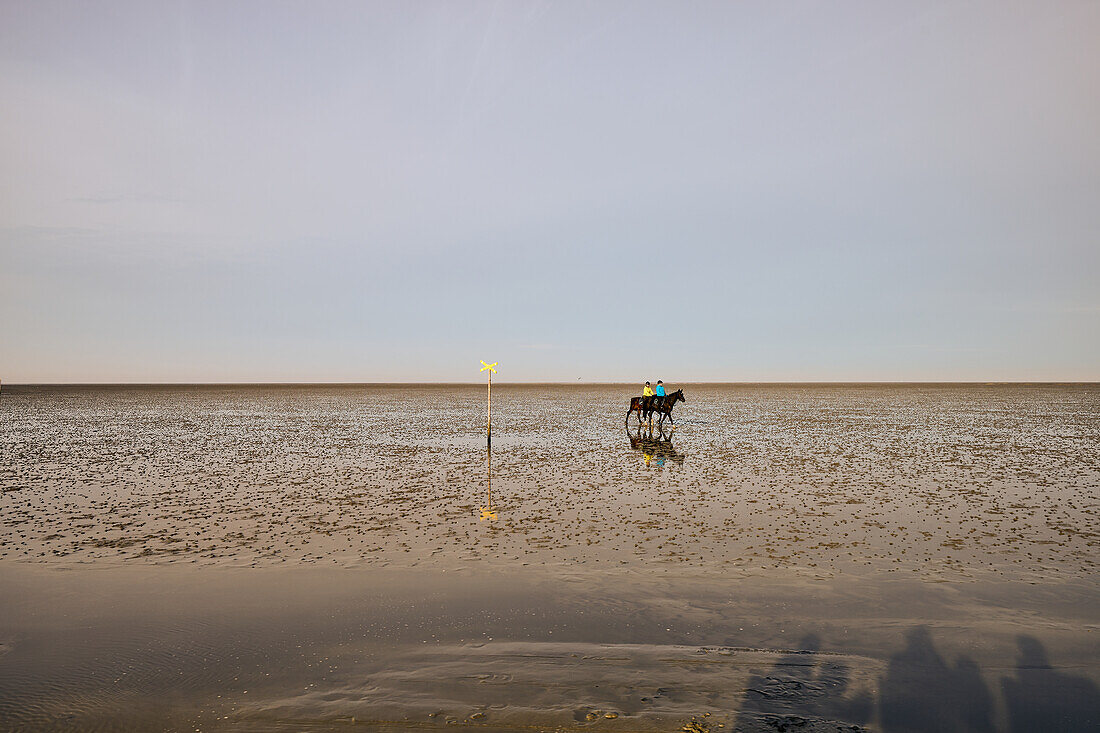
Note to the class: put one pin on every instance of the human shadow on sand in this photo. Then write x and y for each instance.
(1042, 698)
(805, 691)
(920, 692)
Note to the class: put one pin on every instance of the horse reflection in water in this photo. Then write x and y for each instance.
(656, 449)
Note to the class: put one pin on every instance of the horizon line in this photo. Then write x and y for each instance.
(547, 382)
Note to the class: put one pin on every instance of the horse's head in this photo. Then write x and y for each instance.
(679, 396)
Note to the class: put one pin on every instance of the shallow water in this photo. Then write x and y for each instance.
(335, 549)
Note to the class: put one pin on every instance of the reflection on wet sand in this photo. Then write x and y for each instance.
(487, 511)
(656, 447)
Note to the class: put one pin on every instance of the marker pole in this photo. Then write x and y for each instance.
(489, 413)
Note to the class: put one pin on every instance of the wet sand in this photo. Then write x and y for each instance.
(914, 557)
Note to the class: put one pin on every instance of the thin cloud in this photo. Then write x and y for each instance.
(126, 199)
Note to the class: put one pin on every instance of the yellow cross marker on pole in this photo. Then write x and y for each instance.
(487, 511)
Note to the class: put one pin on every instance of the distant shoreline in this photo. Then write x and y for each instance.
(558, 384)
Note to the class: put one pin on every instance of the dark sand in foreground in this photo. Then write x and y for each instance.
(208, 648)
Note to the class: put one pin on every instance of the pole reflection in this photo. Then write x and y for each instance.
(487, 511)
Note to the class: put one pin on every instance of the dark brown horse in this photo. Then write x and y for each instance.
(660, 405)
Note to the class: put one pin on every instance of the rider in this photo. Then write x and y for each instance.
(647, 396)
(659, 394)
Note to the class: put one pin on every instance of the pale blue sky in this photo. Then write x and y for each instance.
(388, 191)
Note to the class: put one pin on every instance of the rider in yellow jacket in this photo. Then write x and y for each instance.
(647, 396)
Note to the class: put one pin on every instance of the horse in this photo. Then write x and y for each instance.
(662, 405)
(638, 405)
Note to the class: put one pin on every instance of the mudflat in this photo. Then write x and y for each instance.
(788, 557)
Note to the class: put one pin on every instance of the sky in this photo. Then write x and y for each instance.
(596, 191)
